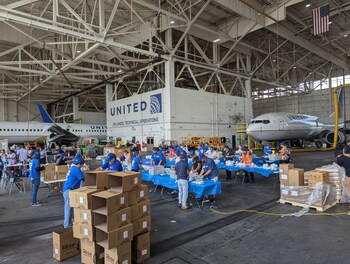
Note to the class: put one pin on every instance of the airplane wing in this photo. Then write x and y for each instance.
(58, 134)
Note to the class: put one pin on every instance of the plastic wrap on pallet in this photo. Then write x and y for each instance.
(320, 195)
(337, 178)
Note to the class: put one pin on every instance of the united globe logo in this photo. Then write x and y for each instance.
(156, 103)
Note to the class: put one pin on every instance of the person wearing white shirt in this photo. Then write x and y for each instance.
(211, 153)
(22, 154)
(11, 157)
(185, 148)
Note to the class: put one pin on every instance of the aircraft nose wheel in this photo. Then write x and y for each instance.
(318, 144)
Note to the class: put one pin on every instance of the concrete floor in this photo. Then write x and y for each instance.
(197, 236)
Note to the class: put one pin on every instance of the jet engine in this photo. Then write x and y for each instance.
(329, 138)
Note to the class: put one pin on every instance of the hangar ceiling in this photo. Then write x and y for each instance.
(53, 49)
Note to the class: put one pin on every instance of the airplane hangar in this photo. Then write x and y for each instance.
(221, 125)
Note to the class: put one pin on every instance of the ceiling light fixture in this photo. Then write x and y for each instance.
(172, 22)
(294, 67)
(308, 5)
(216, 40)
(78, 51)
(120, 71)
(330, 22)
(345, 35)
(274, 60)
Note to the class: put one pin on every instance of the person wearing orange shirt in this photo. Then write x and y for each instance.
(247, 159)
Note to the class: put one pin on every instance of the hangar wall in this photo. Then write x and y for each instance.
(91, 117)
(11, 111)
(319, 103)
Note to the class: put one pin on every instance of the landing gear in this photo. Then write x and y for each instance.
(318, 144)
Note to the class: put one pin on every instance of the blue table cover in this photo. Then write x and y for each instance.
(208, 188)
(260, 170)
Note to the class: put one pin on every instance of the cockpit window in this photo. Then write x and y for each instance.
(261, 121)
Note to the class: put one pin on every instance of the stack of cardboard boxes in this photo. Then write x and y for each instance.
(293, 188)
(54, 172)
(112, 218)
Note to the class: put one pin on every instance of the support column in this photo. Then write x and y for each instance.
(248, 89)
(2, 109)
(75, 107)
(169, 98)
(109, 93)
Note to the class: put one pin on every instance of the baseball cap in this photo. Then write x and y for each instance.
(36, 155)
(183, 156)
(192, 153)
(110, 156)
(155, 149)
(338, 152)
(244, 149)
(122, 158)
(178, 152)
(78, 160)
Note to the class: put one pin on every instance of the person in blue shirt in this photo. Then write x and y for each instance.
(267, 150)
(229, 155)
(201, 151)
(136, 163)
(157, 157)
(182, 170)
(209, 170)
(74, 178)
(111, 164)
(206, 147)
(34, 174)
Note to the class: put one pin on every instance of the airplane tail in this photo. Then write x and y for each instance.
(44, 115)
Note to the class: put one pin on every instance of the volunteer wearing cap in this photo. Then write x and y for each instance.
(267, 150)
(201, 151)
(136, 163)
(209, 170)
(206, 147)
(228, 155)
(177, 155)
(196, 162)
(157, 157)
(346, 149)
(184, 148)
(74, 178)
(344, 161)
(247, 159)
(34, 174)
(111, 164)
(181, 170)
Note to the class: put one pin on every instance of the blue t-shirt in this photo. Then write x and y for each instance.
(116, 166)
(136, 161)
(206, 148)
(33, 173)
(157, 157)
(209, 164)
(74, 177)
(181, 170)
(200, 153)
(267, 151)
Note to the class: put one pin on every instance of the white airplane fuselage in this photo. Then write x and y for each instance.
(19, 132)
(283, 126)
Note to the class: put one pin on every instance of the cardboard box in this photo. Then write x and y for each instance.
(284, 170)
(116, 151)
(119, 255)
(123, 181)
(116, 237)
(140, 210)
(61, 171)
(83, 216)
(81, 198)
(64, 244)
(113, 221)
(142, 225)
(49, 174)
(141, 248)
(138, 194)
(107, 203)
(296, 177)
(81, 231)
(91, 253)
(96, 179)
(318, 176)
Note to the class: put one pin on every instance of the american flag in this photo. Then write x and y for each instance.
(320, 19)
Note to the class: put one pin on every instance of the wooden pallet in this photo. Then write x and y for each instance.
(318, 208)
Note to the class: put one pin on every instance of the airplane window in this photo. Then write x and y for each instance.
(266, 122)
(30, 130)
(258, 121)
(0, 129)
(22, 129)
(11, 129)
